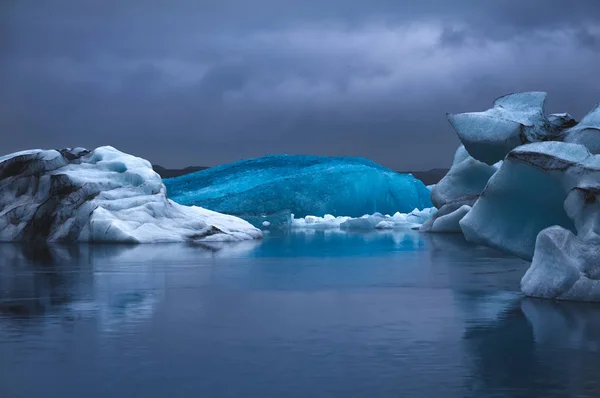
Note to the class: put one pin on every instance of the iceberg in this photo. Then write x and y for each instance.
(540, 200)
(102, 195)
(514, 120)
(272, 188)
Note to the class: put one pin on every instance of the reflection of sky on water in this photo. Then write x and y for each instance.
(391, 313)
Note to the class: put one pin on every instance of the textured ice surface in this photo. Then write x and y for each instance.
(567, 266)
(99, 196)
(374, 221)
(447, 219)
(514, 120)
(527, 195)
(465, 180)
(271, 187)
(562, 120)
(587, 132)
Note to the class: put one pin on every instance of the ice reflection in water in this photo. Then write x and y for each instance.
(317, 313)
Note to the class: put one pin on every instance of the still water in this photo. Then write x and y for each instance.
(299, 315)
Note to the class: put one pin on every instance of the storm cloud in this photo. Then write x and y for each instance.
(207, 82)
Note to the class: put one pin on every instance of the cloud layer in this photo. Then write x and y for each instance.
(208, 82)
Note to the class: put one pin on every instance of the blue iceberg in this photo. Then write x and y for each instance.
(272, 188)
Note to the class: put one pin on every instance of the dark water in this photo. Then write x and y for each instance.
(302, 315)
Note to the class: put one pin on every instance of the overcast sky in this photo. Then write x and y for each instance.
(204, 82)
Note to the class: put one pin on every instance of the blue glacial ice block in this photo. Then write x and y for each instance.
(256, 189)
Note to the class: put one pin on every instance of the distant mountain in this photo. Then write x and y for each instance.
(428, 177)
(170, 173)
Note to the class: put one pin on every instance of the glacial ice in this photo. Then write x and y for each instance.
(410, 220)
(525, 196)
(567, 266)
(447, 219)
(540, 202)
(586, 132)
(514, 120)
(458, 191)
(271, 188)
(464, 182)
(562, 120)
(99, 196)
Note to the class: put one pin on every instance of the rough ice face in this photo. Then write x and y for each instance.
(458, 191)
(587, 132)
(527, 195)
(567, 266)
(562, 120)
(447, 219)
(514, 120)
(256, 189)
(464, 182)
(99, 196)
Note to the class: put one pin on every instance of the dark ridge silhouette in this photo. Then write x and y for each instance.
(171, 173)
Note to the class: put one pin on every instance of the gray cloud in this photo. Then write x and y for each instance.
(203, 83)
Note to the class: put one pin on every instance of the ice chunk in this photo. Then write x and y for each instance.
(527, 195)
(410, 220)
(464, 182)
(447, 219)
(566, 266)
(514, 120)
(562, 120)
(587, 132)
(99, 196)
(302, 185)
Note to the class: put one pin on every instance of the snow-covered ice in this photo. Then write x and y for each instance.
(410, 220)
(102, 195)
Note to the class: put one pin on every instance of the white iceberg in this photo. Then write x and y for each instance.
(410, 220)
(102, 195)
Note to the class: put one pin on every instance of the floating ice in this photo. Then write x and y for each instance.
(267, 188)
(447, 219)
(457, 191)
(567, 266)
(515, 119)
(464, 182)
(527, 195)
(543, 201)
(99, 196)
(410, 220)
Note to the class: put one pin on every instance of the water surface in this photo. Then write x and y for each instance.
(307, 314)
